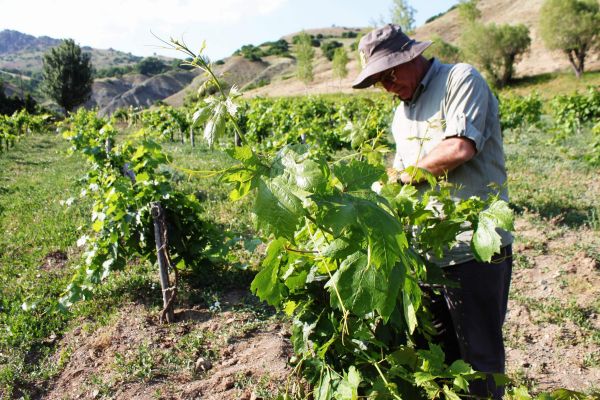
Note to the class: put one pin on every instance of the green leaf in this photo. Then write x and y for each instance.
(357, 175)
(450, 395)
(460, 367)
(308, 174)
(565, 394)
(363, 288)
(277, 209)
(420, 174)
(411, 299)
(266, 284)
(324, 389)
(501, 214)
(461, 383)
(348, 387)
(339, 248)
(486, 241)
(384, 233)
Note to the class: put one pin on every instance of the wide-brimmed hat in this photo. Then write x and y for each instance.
(384, 48)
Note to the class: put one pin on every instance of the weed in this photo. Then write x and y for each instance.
(138, 364)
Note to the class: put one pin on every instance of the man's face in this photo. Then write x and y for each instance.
(402, 80)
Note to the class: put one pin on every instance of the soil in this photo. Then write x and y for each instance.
(552, 324)
(244, 359)
(234, 363)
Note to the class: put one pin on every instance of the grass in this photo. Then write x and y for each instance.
(549, 85)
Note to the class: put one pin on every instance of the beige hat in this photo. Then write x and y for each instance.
(384, 48)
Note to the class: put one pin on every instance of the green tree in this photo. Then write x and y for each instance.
(67, 75)
(305, 55)
(340, 60)
(495, 49)
(328, 48)
(468, 11)
(151, 66)
(443, 51)
(403, 14)
(573, 27)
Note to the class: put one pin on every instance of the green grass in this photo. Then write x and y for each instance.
(551, 84)
(549, 179)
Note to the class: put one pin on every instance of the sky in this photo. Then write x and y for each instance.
(226, 25)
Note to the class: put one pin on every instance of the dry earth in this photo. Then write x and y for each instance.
(203, 355)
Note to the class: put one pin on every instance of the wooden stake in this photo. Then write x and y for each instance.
(168, 292)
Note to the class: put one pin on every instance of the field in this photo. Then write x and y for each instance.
(225, 343)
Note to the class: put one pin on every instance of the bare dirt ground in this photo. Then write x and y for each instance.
(552, 335)
(553, 324)
(204, 355)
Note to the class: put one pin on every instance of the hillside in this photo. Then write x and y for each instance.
(537, 61)
(23, 53)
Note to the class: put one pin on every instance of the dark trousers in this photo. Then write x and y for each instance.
(469, 318)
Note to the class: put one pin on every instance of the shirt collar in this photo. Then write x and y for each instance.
(435, 64)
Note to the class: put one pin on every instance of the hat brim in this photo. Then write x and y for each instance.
(366, 77)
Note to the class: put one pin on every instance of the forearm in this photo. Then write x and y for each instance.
(446, 156)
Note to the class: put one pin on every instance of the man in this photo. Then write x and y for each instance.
(448, 124)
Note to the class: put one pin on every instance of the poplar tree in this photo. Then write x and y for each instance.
(305, 55)
(340, 60)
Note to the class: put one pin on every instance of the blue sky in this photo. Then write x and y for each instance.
(225, 24)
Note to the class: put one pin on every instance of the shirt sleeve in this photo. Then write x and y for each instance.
(466, 105)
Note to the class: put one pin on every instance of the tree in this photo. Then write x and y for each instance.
(468, 11)
(340, 60)
(443, 51)
(67, 75)
(495, 49)
(403, 14)
(328, 48)
(305, 55)
(151, 66)
(573, 27)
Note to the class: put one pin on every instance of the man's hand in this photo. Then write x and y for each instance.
(393, 175)
(396, 176)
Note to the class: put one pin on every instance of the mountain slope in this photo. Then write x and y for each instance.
(22, 52)
(537, 61)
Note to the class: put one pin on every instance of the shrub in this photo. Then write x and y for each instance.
(518, 111)
(328, 48)
(570, 112)
(495, 49)
(443, 51)
(250, 52)
(151, 66)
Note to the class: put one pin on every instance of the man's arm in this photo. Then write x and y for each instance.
(443, 158)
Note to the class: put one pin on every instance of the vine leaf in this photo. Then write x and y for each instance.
(363, 288)
(486, 241)
(267, 285)
(348, 387)
(357, 175)
(277, 209)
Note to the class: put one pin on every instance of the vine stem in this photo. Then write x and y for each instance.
(201, 63)
(345, 312)
(381, 374)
